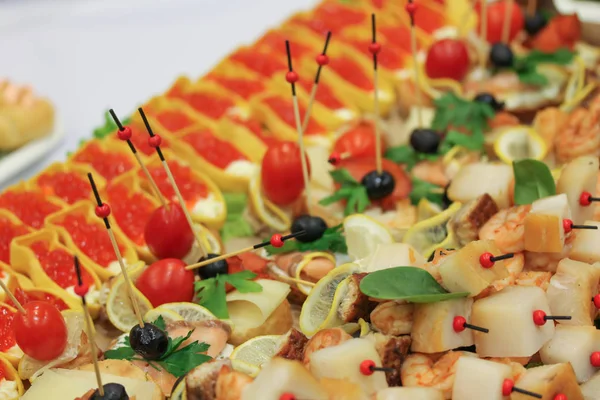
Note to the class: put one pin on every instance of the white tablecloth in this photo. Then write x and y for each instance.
(89, 56)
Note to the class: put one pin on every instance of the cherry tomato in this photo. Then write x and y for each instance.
(167, 281)
(447, 58)
(281, 173)
(358, 142)
(358, 168)
(167, 233)
(495, 21)
(41, 332)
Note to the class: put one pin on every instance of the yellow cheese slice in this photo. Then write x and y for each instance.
(250, 310)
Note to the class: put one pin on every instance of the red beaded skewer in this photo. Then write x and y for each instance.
(374, 49)
(596, 301)
(368, 368)
(81, 290)
(487, 260)
(568, 226)
(595, 359)
(459, 324)
(508, 386)
(561, 396)
(322, 60)
(540, 317)
(155, 142)
(411, 9)
(287, 396)
(587, 199)
(124, 133)
(335, 158)
(103, 211)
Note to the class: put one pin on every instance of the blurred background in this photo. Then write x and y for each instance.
(88, 55)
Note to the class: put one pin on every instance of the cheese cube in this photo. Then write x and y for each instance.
(571, 290)
(433, 331)
(573, 344)
(591, 389)
(343, 362)
(477, 379)
(548, 381)
(461, 271)
(508, 315)
(585, 245)
(580, 175)
(409, 393)
(544, 232)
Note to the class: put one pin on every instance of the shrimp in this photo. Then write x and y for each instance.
(548, 123)
(212, 332)
(314, 270)
(548, 261)
(230, 384)
(502, 119)
(514, 266)
(507, 229)
(391, 318)
(433, 266)
(323, 339)
(540, 279)
(431, 171)
(580, 135)
(419, 370)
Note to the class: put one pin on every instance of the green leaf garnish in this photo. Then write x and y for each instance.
(332, 240)
(177, 360)
(236, 225)
(109, 126)
(526, 66)
(406, 283)
(422, 189)
(212, 295)
(351, 190)
(533, 181)
(405, 154)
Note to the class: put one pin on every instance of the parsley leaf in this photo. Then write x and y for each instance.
(422, 189)
(351, 190)
(211, 292)
(109, 126)
(332, 240)
(405, 154)
(526, 66)
(453, 112)
(236, 225)
(121, 353)
(160, 323)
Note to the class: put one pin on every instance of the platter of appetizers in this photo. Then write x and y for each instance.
(376, 200)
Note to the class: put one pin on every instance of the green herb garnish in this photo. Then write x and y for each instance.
(332, 240)
(405, 154)
(109, 126)
(406, 283)
(236, 225)
(351, 190)
(526, 66)
(422, 189)
(455, 112)
(533, 181)
(177, 360)
(212, 295)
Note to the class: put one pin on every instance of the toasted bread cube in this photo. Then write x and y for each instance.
(585, 246)
(409, 393)
(591, 389)
(548, 381)
(508, 315)
(461, 271)
(573, 344)
(571, 290)
(477, 379)
(343, 362)
(580, 175)
(544, 232)
(433, 331)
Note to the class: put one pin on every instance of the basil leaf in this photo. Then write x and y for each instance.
(533, 181)
(406, 283)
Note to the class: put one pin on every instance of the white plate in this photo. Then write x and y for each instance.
(588, 11)
(16, 161)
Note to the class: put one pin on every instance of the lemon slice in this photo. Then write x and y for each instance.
(365, 328)
(432, 86)
(306, 259)
(30, 368)
(569, 105)
(320, 308)
(190, 312)
(256, 351)
(118, 304)
(212, 240)
(520, 142)
(364, 234)
(432, 233)
(179, 391)
(245, 368)
(350, 328)
(167, 315)
(576, 81)
(266, 211)
(427, 209)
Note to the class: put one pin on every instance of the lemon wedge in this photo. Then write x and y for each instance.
(320, 309)
(427, 209)
(569, 104)
(365, 327)
(118, 304)
(364, 234)
(245, 368)
(183, 311)
(432, 233)
(306, 259)
(576, 81)
(520, 142)
(266, 211)
(256, 351)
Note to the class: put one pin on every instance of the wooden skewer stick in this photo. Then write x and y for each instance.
(12, 297)
(411, 8)
(292, 78)
(103, 211)
(155, 141)
(483, 34)
(531, 7)
(322, 60)
(276, 241)
(125, 134)
(506, 23)
(375, 48)
(81, 290)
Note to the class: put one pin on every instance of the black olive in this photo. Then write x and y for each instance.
(425, 140)
(535, 23)
(213, 269)
(313, 226)
(501, 55)
(446, 202)
(112, 391)
(150, 342)
(489, 99)
(378, 185)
